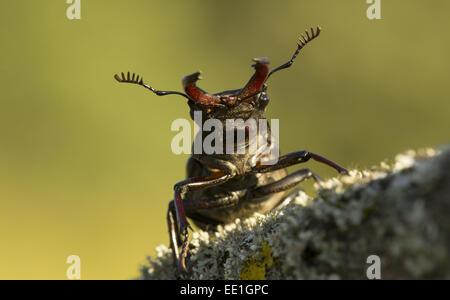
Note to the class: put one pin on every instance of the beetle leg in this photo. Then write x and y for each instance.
(202, 221)
(182, 187)
(173, 231)
(294, 158)
(192, 184)
(328, 162)
(222, 202)
(191, 207)
(184, 250)
(285, 183)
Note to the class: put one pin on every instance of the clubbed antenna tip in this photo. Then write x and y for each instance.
(302, 41)
(136, 79)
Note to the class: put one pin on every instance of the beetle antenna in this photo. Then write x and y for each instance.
(302, 41)
(136, 79)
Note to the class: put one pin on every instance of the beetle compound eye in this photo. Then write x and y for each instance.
(264, 97)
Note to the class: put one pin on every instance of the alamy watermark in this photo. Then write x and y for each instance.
(74, 270)
(373, 12)
(232, 136)
(374, 270)
(74, 9)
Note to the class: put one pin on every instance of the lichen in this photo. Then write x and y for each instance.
(254, 268)
(398, 212)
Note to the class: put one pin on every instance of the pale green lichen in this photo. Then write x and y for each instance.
(398, 212)
(255, 268)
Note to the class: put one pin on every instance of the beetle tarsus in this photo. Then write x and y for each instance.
(182, 269)
(328, 162)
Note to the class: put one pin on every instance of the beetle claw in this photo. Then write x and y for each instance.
(182, 269)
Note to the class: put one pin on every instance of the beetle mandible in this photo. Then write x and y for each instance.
(222, 187)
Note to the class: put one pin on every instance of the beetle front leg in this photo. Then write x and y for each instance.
(284, 183)
(180, 188)
(173, 232)
(297, 157)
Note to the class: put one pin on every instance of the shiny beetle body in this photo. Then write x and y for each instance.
(240, 187)
(222, 187)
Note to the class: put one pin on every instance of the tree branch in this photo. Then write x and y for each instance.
(399, 213)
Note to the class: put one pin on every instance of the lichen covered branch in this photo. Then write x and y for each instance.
(398, 212)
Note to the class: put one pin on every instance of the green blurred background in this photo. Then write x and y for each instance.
(85, 163)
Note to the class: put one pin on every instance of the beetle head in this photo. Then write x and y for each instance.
(250, 101)
(241, 103)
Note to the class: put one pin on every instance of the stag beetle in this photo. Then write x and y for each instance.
(222, 187)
